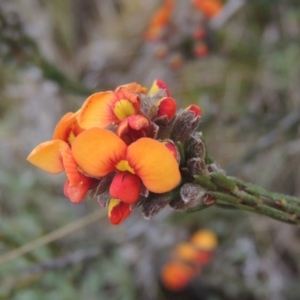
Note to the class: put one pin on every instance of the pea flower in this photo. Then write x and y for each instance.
(145, 161)
(159, 21)
(55, 157)
(123, 147)
(105, 108)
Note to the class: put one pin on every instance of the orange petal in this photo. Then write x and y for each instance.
(166, 107)
(97, 151)
(176, 275)
(125, 187)
(157, 85)
(154, 164)
(47, 157)
(133, 87)
(67, 128)
(118, 211)
(75, 177)
(97, 110)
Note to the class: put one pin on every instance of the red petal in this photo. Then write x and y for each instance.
(118, 211)
(125, 187)
(157, 85)
(195, 109)
(77, 193)
(166, 107)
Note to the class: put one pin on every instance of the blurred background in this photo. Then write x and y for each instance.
(54, 54)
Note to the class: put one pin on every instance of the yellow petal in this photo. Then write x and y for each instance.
(47, 157)
(97, 111)
(154, 164)
(97, 151)
(205, 240)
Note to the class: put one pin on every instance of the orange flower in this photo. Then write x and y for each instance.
(145, 161)
(55, 157)
(176, 275)
(159, 21)
(133, 128)
(105, 108)
(208, 7)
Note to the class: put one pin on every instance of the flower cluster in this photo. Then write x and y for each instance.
(188, 259)
(129, 148)
(185, 38)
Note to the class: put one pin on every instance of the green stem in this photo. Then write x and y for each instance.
(231, 192)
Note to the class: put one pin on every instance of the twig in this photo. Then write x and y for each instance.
(235, 193)
(52, 236)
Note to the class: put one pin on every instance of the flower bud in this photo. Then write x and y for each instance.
(186, 122)
(191, 196)
(196, 166)
(195, 146)
(156, 202)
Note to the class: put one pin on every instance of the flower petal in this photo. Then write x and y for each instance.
(67, 128)
(157, 85)
(154, 164)
(97, 151)
(75, 177)
(77, 193)
(125, 187)
(166, 107)
(195, 109)
(176, 275)
(205, 240)
(186, 252)
(133, 86)
(47, 157)
(118, 211)
(97, 110)
(134, 127)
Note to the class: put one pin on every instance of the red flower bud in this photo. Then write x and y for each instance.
(125, 187)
